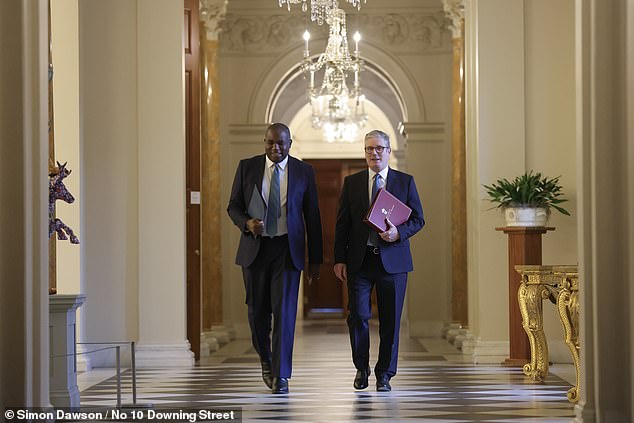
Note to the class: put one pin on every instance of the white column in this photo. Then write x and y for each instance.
(605, 142)
(108, 85)
(161, 137)
(243, 140)
(429, 285)
(133, 185)
(495, 137)
(24, 346)
(63, 311)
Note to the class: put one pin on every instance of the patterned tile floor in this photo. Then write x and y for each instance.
(433, 385)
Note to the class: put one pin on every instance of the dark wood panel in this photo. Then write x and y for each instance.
(328, 296)
(524, 247)
(192, 159)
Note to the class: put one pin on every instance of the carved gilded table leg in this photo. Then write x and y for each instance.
(530, 298)
(568, 308)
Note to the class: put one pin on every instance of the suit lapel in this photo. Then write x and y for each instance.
(363, 188)
(389, 184)
(258, 173)
(292, 175)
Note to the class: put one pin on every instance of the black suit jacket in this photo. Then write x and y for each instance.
(351, 234)
(302, 210)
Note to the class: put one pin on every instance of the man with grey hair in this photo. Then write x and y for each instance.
(366, 259)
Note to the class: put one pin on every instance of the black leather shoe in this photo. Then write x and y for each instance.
(280, 385)
(361, 379)
(266, 374)
(383, 383)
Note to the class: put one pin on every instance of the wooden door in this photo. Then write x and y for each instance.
(192, 157)
(328, 297)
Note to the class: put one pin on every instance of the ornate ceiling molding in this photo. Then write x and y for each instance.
(400, 33)
(212, 13)
(454, 9)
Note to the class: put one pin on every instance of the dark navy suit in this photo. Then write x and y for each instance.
(271, 266)
(387, 270)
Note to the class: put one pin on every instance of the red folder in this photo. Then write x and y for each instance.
(386, 206)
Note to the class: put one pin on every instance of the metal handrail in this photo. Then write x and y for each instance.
(117, 347)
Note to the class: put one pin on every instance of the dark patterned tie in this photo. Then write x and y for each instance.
(273, 210)
(378, 183)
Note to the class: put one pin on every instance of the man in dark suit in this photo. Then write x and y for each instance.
(274, 204)
(366, 260)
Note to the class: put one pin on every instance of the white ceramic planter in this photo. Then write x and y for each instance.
(520, 216)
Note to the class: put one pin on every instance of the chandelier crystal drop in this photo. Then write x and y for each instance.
(319, 9)
(337, 110)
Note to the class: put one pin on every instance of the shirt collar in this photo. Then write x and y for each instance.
(383, 173)
(270, 163)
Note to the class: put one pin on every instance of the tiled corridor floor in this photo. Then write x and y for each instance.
(433, 385)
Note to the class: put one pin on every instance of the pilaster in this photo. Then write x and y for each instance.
(454, 9)
(212, 12)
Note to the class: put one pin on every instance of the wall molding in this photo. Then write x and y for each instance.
(247, 34)
(164, 355)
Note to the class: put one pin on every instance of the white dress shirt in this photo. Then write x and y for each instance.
(269, 168)
(371, 174)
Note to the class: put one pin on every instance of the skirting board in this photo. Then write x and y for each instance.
(84, 362)
(164, 355)
(485, 352)
(242, 330)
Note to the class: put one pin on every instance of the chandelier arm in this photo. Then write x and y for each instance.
(337, 109)
(320, 9)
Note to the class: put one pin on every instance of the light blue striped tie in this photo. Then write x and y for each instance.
(273, 210)
(378, 183)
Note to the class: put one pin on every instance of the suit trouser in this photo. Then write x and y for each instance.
(390, 294)
(272, 285)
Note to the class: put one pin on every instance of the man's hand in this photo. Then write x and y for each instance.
(255, 226)
(341, 272)
(391, 235)
(313, 273)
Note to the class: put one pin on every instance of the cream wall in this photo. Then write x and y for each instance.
(161, 137)
(429, 285)
(550, 133)
(109, 152)
(520, 116)
(495, 148)
(65, 41)
(133, 185)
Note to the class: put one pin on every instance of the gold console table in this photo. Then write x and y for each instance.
(560, 284)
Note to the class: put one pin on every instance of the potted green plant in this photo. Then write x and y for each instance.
(527, 199)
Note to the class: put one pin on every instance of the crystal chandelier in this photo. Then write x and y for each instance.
(319, 9)
(336, 109)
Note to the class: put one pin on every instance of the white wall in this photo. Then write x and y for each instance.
(520, 116)
(495, 148)
(133, 179)
(161, 138)
(550, 133)
(110, 185)
(65, 51)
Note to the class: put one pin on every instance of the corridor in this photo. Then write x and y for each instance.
(433, 384)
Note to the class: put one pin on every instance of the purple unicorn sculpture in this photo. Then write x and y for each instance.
(58, 191)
